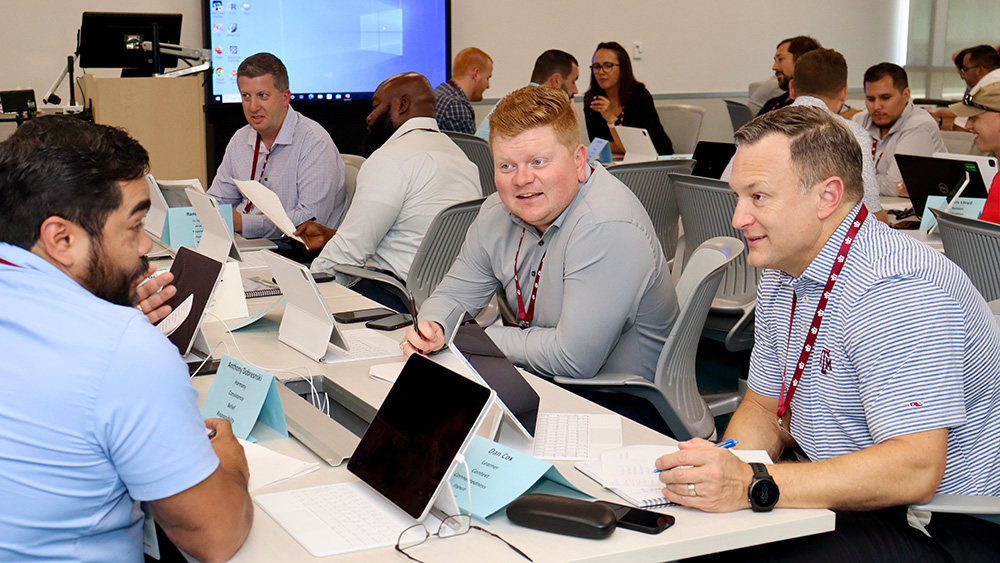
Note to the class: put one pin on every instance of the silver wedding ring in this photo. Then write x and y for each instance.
(402, 344)
(691, 490)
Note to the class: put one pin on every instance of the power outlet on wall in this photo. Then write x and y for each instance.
(637, 50)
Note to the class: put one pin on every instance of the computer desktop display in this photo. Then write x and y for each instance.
(334, 50)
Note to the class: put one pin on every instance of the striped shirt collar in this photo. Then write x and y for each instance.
(819, 269)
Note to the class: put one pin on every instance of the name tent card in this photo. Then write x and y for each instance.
(498, 475)
(971, 207)
(243, 394)
(182, 227)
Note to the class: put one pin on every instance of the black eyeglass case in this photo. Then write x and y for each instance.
(562, 515)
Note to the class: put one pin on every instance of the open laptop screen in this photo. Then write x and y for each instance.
(426, 419)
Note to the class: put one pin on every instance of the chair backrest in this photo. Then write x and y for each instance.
(975, 246)
(706, 207)
(675, 369)
(682, 123)
(739, 114)
(478, 151)
(439, 248)
(352, 165)
(650, 181)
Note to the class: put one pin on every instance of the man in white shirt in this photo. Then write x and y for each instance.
(415, 174)
(895, 125)
(980, 66)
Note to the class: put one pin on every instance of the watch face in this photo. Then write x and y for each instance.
(764, 494)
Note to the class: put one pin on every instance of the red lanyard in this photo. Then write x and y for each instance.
(6, 263)
(253, 168)
(784, 401)
(524, 317)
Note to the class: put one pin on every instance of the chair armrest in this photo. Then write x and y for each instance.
(359, 272)
(605, 379)
(961, 504)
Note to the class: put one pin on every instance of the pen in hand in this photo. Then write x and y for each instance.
(413, 313)
(724, 445)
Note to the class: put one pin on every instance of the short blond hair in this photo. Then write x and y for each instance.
(536, 106)
(469, 59)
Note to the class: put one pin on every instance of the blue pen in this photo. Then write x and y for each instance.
(725, 445)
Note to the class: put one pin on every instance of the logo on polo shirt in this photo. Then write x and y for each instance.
(824, 361)
(917, 404)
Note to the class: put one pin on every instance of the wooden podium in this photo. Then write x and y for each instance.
(166, 115)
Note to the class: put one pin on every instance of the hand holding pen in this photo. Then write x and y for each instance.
(724, 445)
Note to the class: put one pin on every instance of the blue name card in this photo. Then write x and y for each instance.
(599, 150)
(243, 394)
(971, 207)
(182, 227)
(498, 475)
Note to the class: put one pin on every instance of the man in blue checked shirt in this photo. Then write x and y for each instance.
(470, 77)
(875, 361)
(282, 149)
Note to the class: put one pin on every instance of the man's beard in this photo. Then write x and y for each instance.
(378, 133)
(117, 286)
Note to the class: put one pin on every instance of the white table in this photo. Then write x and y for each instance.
(694, 533)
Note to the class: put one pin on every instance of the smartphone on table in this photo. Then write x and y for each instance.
(637, 519)
(362, 315)
(398, 320)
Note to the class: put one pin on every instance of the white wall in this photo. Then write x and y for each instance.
(692, 46)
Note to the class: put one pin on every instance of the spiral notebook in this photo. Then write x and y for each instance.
(628, 472)
(640, 497)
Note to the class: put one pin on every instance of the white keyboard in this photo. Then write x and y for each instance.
(334, 519)
(572, 436)
(364, 344)
(252, 260)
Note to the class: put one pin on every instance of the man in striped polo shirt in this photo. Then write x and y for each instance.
(875, 360)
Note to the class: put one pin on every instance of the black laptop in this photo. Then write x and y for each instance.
(711, 158)
(926, 176)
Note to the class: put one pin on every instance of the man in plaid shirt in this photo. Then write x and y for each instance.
(470, 78)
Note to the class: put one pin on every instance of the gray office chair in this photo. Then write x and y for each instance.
(352, 165)
(650, 181)
(739, 114)
(434, 257)
(706, 207)
(479, 153)
(674, 390)
(975, 246)
(682, 122)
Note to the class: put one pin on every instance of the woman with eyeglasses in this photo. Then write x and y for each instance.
(615, 97)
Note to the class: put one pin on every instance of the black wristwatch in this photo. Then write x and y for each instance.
(763, 492)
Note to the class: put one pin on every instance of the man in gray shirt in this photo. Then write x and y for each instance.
(573, 249)
(895, 125)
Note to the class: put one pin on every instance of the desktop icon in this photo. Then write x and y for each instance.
(216, 5)
(219, 71)
(310, 96)
(232, 6)
(218, 50)
(232, 28)
(338, 96)
(246, 7)
(235, 71)
(217, 27)
(232, 49)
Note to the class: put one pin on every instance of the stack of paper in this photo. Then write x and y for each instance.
(268, 467)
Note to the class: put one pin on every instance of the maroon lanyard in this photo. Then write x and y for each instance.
(253, 169)
(524, 317)
(784, 401)
(6, 263)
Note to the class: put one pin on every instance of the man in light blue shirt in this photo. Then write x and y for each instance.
(96, 409)
(553, 68)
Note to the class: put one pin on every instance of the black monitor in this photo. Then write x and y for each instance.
(114, 40)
